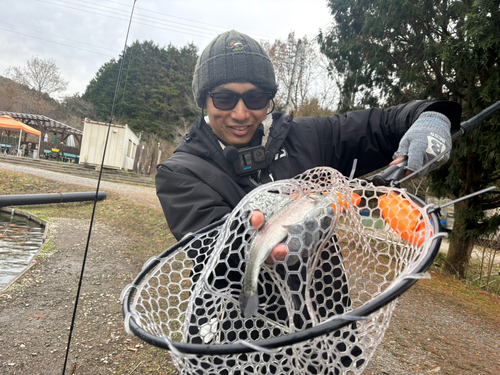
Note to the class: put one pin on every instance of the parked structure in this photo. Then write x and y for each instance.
(121, 149)
(54, 135)
(8, 125)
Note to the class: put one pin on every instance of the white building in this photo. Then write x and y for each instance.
(120, 152)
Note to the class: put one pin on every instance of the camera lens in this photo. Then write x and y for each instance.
(245, 159)
(258, 156)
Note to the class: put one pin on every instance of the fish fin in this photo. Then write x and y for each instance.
(249, 305)
(314, 197)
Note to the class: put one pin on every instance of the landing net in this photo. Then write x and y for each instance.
(322, 310)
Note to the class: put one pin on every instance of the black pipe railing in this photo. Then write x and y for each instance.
(29, 199)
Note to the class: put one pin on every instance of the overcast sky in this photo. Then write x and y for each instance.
(82, 35)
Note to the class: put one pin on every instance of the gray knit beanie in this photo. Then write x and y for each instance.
(232, 57)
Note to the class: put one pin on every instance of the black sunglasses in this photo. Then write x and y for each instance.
(253, 100)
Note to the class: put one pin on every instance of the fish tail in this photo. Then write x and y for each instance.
(249, 304)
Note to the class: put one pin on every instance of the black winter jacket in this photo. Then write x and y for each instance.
(197, 185)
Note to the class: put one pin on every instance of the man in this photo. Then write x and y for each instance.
(234, 82)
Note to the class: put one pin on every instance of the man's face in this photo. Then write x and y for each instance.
(237, 126)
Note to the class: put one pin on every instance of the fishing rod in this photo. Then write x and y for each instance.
(96, 197)
(392, 176)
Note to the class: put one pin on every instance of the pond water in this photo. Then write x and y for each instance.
(20, 239)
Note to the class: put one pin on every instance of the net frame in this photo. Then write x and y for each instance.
(180, 349)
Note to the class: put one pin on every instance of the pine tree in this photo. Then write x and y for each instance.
(155, 90)
(393, 51)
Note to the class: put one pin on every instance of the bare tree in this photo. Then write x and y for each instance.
(325, 86)
(312, 82)
(41, 75)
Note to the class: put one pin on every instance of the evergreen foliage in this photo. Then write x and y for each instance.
(393, 51)
(155, 93)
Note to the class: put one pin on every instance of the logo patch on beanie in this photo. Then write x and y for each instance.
(236, 45)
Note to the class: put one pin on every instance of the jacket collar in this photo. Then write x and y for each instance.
(202, 141)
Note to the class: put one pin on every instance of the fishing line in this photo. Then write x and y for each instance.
(96, 194)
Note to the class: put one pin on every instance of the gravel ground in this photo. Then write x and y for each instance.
(429, 334)
(36, 315)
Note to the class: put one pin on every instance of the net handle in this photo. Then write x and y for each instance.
(293, 338)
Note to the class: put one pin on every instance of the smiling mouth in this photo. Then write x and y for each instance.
(244, 127)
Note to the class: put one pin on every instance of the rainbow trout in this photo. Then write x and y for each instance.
(274, 231)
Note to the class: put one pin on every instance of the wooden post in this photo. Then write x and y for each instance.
(152, 164)
(159, 157)
(137, 159)
(145, 165)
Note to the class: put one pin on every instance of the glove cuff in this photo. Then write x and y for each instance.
(434, 118)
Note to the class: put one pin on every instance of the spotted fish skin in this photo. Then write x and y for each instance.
(273, 232)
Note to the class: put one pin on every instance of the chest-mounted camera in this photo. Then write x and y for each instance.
(246, 160)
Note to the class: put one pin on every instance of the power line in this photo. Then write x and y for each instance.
(57, 36)
(121, 19)
(156, 18)
(222, 29)
(168, 15)
(62, 44)
(190, 28)
(117, 18)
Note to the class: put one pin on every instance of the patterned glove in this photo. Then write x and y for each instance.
(428, 137)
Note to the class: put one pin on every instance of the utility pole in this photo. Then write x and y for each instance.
(288, 106)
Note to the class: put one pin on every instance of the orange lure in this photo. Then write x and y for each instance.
(355, 198)
(403, 217)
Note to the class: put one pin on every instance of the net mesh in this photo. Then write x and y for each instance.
(357, 242)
